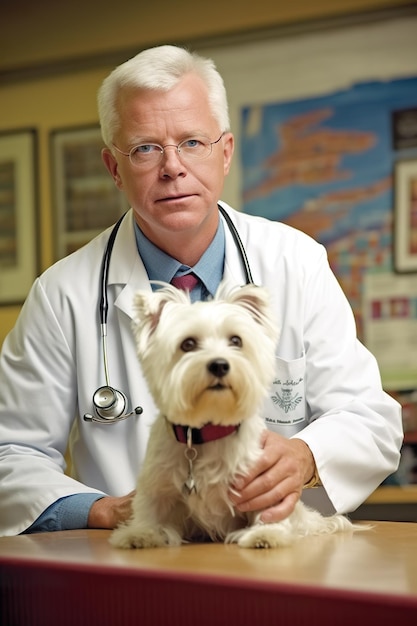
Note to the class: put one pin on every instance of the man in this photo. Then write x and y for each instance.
(165, 124)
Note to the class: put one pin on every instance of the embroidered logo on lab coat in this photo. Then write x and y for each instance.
(287, 401)
(285, 410)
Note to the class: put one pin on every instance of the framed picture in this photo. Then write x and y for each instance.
(405, 216)
(18, 214)
(86, 200)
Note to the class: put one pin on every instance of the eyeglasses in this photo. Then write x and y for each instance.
(148, 154)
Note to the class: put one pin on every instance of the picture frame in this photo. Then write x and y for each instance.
(85, 198)
(19, 234)
(405, 216)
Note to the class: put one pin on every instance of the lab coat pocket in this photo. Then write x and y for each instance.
(284, 410)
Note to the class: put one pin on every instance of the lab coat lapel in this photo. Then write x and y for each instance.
(127, 270)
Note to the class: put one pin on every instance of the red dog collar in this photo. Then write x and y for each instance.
(209, 432)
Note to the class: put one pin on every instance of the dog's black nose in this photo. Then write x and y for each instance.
(218, 367)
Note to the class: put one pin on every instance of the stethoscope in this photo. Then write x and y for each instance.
(110, 404)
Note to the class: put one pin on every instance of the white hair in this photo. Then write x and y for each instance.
(160, 68)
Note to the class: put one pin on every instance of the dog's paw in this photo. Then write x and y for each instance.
(262, 536)
(258, 542)
(130, 536)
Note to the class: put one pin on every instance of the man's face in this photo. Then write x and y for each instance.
(175, 195)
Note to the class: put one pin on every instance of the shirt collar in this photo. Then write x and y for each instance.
(161, 266)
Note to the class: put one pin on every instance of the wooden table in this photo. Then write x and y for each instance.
(76, 578)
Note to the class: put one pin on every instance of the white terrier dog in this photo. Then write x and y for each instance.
(209, 366)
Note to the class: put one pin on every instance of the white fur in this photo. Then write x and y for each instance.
(184, 390)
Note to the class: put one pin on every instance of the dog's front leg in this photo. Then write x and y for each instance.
(148, 527)
(302, 522)
(259, 535)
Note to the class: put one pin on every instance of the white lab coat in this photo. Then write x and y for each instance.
(327, 388)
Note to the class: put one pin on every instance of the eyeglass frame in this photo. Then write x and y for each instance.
(168, 145)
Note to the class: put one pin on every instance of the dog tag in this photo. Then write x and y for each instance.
(189, 485)
(190, 454)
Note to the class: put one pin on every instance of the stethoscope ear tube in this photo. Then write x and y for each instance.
(240, 246)
(104, 275)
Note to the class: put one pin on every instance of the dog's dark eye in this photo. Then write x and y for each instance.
(235, 341)
(189, 344)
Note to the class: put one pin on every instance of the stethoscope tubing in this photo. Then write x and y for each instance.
(106, 416)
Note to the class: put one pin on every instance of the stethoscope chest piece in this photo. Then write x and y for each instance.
(109, 403)
(110, 406)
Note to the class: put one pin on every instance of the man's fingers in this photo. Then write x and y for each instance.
(280, 511)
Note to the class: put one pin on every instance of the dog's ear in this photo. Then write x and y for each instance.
(146, 314)
(148, 306)
(253, 298)
(256, 300)
(147, 309)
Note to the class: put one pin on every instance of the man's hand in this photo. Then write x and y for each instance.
(108, 512)
(275, 483)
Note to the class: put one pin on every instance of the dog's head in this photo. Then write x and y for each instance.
(207, 361)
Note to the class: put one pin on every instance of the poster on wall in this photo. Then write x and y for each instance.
(86, 199)
(18, 214)
(325, 166)
(390, 326)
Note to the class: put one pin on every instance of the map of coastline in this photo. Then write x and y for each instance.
(324, 165)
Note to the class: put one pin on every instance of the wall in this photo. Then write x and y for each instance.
(311, 60)
(32, 33)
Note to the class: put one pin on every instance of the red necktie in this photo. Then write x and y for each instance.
(186, 282)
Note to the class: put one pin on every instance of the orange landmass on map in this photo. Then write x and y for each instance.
(320, 213)
(309, 155)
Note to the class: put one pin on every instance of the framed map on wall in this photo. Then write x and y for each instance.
(325, 165)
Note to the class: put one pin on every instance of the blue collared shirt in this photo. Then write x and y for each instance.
(161, 266)
(71, 512)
